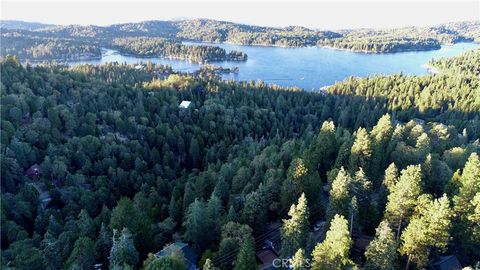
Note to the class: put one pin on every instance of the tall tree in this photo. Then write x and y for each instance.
(246, 256)
(381, 134)
(300, 179)
(255, 210)
(361, 151)
(299, 260)
(381, 253)
(403, 197)
(197, 225)
(295, 229)
(391, 176)
(83, 254)
(464, 207)
(123, 252)
(322, 152)
(333, 252)
(429, 228)
(340, 195)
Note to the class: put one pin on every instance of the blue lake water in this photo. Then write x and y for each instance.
(309, 68)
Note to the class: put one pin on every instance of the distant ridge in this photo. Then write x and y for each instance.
(22, 25)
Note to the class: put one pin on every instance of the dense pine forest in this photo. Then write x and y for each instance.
(102, 168)
(160, 47)
(36, 42)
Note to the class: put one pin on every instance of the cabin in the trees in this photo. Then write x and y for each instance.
(175, 248)
(185, 104)
(34, 171)
(266, 257)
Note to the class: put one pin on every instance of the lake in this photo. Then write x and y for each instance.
(309, 68)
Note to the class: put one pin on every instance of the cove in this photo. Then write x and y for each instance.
(310, 68)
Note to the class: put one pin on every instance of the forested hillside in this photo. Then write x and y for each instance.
(463, 65)
(144, 47)
(40, 42)
(100, 165)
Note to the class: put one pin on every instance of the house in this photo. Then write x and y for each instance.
(185, 104)
(447, 263)
(266, 258)
(34, 171)
(175, 248)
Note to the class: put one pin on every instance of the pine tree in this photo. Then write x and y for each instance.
(300, 179)
(51, 251)
(391, 176)
(381, 134)
(197, 225)
(299, 260)
(246, 256)
(321, 154)
(403, 197)
(474, 219)
(428, 228)
(83, 254)
(361, 189)
(295, 230)
(231, 215)
(103, 245)
(464, 207)
(381, 253)
(361, 151)
(333, 252)
(340, 195)
(214, 212)
(85, 224)
(255, 212)
(123, 250)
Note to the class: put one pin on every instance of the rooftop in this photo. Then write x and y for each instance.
(185, 104)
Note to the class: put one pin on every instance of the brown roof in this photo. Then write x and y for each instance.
(266, 256)
(34, 171)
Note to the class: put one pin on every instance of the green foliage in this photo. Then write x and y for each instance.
(147, 47)
(465, 64)
(246, 257)
(299, 260)
(428, 228)
(166, 263)
(115, 152)
(333, 252)
(295, 229)
(83, 254)
(466, 207)
(381, 253)
(123, 250)
(403, 197)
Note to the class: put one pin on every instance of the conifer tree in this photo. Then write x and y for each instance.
(123, 252)
(295, 230)
(299, 260)
(333, 252)
(391, 176)
(361, 151)
(246, 257)
(381, 253)
(403, 197)
(429, 228)
(465, 206)
(340, 198)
